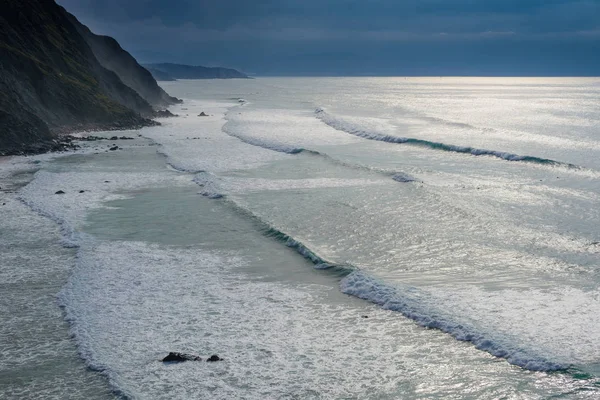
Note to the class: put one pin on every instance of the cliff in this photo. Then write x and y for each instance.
(112, 57)
(160, 75)
(52, 82)
(180, 71)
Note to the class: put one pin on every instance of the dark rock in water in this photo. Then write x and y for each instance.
(203, 114)
(164, 114)
(126, 138)
(82, 191)
(60, 192)
(214, 358)
(114, 138)
(114, 148)
(403, 178)
(365, 316)
(106, 181)
(180, 357)
(90, 138)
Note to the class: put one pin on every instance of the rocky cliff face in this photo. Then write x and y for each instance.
(51, 81)
(112, 57)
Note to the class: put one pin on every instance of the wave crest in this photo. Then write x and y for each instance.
(352, 129)
(416, 305)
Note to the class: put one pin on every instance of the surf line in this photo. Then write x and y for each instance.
(351, 129)
(411, 302)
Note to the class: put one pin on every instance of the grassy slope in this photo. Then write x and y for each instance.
(50, 80)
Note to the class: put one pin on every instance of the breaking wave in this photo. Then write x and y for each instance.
(413, 303)
(287, 149)
(355, 130)
(208, 184)
(265, 144)
(419, 306)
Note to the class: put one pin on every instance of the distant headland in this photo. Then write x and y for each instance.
(171, 72)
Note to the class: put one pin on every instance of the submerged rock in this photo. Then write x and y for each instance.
(180, 357)
(214, 358)
(203, 114)
(114, 148)
(60, 192)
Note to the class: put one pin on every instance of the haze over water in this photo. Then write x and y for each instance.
(458, 214)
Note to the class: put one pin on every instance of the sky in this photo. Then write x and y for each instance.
(357, 37)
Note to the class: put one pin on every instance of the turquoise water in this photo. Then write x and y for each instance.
(459, 215)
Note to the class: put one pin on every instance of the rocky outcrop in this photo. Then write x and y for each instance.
(180, 71)
(51, 81)
(174, 357)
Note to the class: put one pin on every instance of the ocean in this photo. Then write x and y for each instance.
(329, 238)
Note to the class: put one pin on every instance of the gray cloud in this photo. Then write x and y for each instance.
(198, 31)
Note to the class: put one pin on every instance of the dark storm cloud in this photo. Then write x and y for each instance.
(257, 35)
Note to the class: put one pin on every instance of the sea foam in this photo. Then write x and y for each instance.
(418, 306)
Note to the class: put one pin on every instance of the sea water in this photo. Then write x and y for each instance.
(340, 238)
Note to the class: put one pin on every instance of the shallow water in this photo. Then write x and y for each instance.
(38, 359)
(267, 231)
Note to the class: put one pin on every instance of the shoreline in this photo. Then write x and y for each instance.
(34, 268)
(17, 172)
(64, 137)
(148, 218)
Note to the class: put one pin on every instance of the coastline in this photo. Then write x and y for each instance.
(37, 333)
(157, 263)
(64, 138)
(39, 357)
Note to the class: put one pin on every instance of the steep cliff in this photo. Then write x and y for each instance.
(112, 57)
(160, 75)
(52, 82)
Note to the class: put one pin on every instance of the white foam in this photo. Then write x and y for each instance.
(131, 303)
(288, 131)
(192, 143)
(432, 312)
(212, 184)
(69, 209)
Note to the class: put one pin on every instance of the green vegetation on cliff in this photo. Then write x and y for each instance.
(51, 81)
